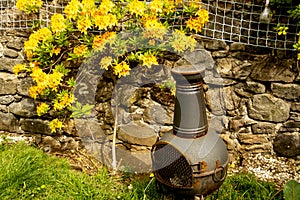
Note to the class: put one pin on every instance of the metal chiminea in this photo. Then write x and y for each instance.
(192, 159)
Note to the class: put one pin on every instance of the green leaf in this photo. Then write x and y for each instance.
(291, 190)
(79, 110)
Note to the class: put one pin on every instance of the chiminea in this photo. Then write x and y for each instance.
(192, 159)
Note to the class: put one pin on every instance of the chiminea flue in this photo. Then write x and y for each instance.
(192, 159)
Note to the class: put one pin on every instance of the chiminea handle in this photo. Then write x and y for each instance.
(190, 120)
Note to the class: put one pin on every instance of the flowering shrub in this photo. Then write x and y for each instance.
(89, 26)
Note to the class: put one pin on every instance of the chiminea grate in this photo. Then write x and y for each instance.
(192, 159)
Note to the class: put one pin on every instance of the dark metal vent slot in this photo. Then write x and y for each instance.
(171, 167)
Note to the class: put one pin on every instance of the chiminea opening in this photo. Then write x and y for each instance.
(192, 159)
(173, 168)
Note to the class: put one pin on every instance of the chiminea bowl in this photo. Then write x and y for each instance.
(190, 167)
(192, 159)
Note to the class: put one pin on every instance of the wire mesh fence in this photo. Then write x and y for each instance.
(230, 20)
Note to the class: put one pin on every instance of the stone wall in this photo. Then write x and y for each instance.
(252, 94)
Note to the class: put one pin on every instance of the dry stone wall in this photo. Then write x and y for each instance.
(252, 93)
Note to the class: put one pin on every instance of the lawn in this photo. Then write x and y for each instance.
(26, 172)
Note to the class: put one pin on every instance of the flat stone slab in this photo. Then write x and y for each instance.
(135, 134)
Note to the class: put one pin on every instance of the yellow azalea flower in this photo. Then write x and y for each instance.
(44, 34)
(80, 50)
(72, 9)
(63, 101)
(19, 67)
(156, 6)
(100, 40)
(55, 51)
(136, 7)
(198, 22)
(148, 59)
(84, 24)
(54, 80)
(30, 46)
(88, 5)
(36, 90)
(178, 2)
(106, 21)
(33, 92)
(181, 42)
(298, 55)
(153, 27)
(58, 23)
(169, 6)
(35, 38)
(106, 6)
(29, 6)
(121, 69)
(106, 62)
(55, 124)
(38, 75)
(42, 109)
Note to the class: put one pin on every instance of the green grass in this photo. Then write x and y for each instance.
(246, 187)
(28, 173)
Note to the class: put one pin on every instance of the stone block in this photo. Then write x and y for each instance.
(233, 68)
(255, 87)
(24, 108)
(266, 107)
(139, 135)
(247, 138)
(8, 83)
(235, 46)
(269, 69)
(157, 114)
(10, 53)
(7, 64)
(6, 99)
(286, 91)
(35, 126)
(8, 122)
(263, 128)
(215, 100)
(287, 144)
(295, 106)
(24, 85)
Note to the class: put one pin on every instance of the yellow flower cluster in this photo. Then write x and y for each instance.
(100, 41)
(153, 27)
(72, 9)
(148, 59)
(121, 69)
(34, 40)
(103, 22)
(58, 23)
(181, 42)
(197, 23)
(42, 109)
(64, 100)
(156, 6)
(19, 67)
(86, 14)
(106, 62)
(106, 6)
(80, 50)
(29, 6)
(44, 81)
(137, 7)
(71, 35)
(55, 124)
